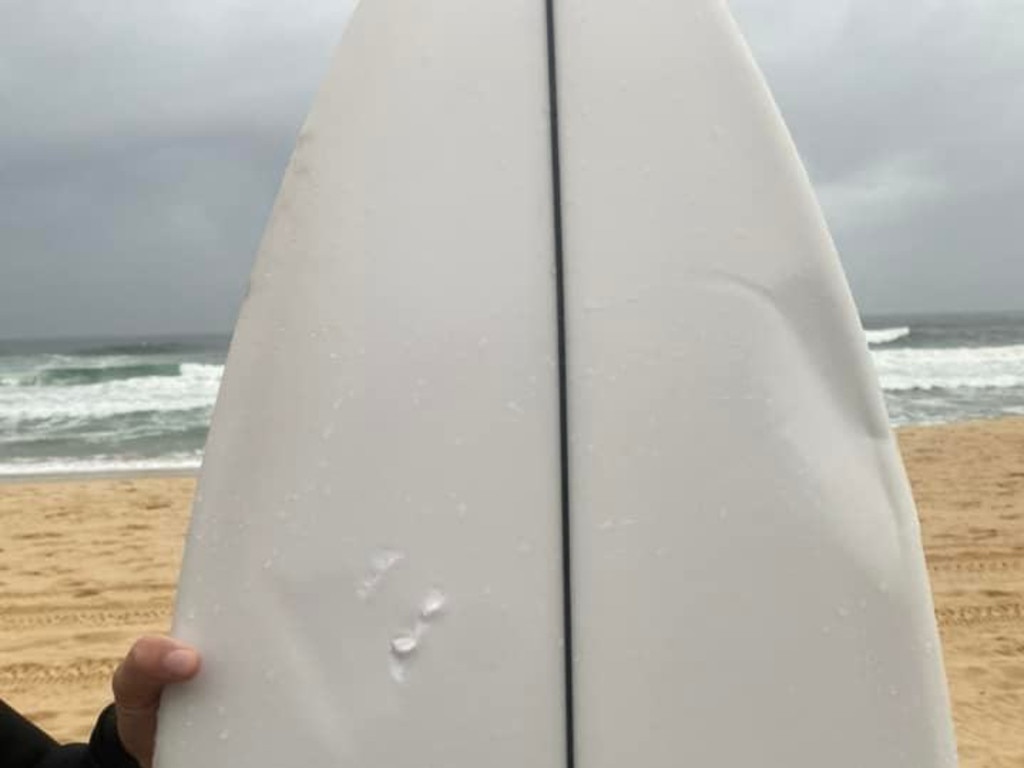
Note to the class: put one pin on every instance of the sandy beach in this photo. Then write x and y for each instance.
(88, 565)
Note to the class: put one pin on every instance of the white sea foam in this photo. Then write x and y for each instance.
(958, 368)
(101, 464)
(195, 387)
(882, 336)
(129, 409)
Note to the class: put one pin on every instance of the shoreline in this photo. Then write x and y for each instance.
(89, 475)
(33, 478)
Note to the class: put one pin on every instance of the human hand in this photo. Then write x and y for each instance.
(152, 663)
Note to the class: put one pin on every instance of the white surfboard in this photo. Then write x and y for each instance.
(549, 436)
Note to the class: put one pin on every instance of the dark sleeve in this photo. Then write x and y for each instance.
(105, 745)
(23, 745)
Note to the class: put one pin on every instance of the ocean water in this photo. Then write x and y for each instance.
(106, 404)
(940, 369)
(109, 405)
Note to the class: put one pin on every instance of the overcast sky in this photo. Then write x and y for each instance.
(141, 144)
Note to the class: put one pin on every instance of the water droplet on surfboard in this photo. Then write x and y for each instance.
(433, 604)
(404, 645)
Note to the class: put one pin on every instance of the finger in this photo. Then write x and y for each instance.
(152, 663)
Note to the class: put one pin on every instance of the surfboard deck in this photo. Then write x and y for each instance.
(548, 434)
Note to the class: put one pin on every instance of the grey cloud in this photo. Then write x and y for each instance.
(82, 71)
(146, 236)
(140, 148)
(141, 145)
(910, 118)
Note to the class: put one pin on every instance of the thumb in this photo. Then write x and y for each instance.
(151, 664)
